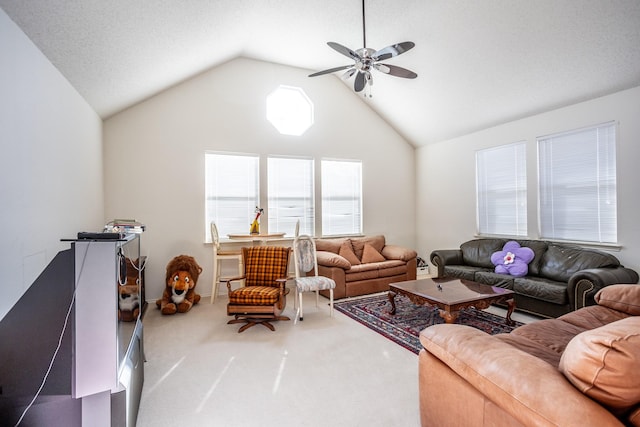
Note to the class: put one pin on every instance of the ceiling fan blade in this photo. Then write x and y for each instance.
(395, 71)
(343, 50)
(330, 70)
(393, 50)
(360, 82)
(350, 72)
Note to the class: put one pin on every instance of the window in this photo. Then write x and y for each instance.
(341, 197)
(291, 194)
(232, 192)
(289, 110)
(577, 185)
(501, 189)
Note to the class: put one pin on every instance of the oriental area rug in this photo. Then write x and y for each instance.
(404, 327)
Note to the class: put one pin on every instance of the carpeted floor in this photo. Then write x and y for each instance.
(404, 327)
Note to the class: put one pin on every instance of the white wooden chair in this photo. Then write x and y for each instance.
(218, 257)
(305, 260)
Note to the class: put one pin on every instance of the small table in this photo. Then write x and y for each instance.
(452, 295)
(260, 238)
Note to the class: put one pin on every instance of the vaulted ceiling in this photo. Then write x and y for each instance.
(479, 63)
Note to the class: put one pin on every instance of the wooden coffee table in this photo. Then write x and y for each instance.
(452, 295)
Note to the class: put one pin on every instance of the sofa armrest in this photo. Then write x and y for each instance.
(329, 259)
(398, 252)
(339, 276)
(584, 284)
(527, 388)
(442, 257)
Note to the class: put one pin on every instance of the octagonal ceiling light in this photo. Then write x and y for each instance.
(289, 110)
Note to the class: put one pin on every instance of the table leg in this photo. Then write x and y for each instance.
(512, 306)
(449, 317)
(392, 296)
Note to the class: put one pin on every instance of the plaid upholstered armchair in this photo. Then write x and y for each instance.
(262, 299)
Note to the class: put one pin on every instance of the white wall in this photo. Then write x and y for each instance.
(446, 173)
(154, 155)
(51, 175)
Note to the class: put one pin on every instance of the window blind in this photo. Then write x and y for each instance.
(501, 190)
(291, 195)
(232, 192)
(577, 185)
(341, 197)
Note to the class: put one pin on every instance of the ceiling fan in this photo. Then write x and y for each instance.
(365, 59)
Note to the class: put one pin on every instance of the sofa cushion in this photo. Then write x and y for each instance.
(460, 271)
(330, 259)
(391, 268)
(370, 254)
(592, 317)
(545, 339)
(493, 279)
(346, 251)
(625, 298)
(542, 289)
(560, 262)
(361, 272)
(603, 364)
(329, 245)
(358, 244)
(477, 253)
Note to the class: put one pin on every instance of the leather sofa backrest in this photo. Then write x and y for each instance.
(539, 247)
(560, 262)
(477, 253)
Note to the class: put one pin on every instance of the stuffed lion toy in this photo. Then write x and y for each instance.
(179, 293)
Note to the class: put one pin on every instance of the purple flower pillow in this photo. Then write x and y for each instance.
(513, 259)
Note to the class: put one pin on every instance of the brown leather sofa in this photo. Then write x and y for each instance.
(561, 277)
(581, 369)
(364, 265)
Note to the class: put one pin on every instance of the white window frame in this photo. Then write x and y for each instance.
(501, 190)
(232, 192)
(289, 110)
(341, 197)
(577, 187)
(291, 194)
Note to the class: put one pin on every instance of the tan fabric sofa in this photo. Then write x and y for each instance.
(581, 369)
(364, 265)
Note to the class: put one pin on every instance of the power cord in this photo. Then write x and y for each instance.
(55, 353)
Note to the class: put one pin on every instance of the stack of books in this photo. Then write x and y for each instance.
(125, 226)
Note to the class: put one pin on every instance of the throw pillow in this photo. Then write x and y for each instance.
(358, 243)
(370, 254)
(329, 259)
(513, 259)
(625, 298)
(603, 364)
(346, 251)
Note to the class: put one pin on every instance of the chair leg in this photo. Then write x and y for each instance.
(216, 279)
(300, 303)
(214, 285)
(331, 302)
(317, 298)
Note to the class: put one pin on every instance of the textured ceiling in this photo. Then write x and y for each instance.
(479, 63)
